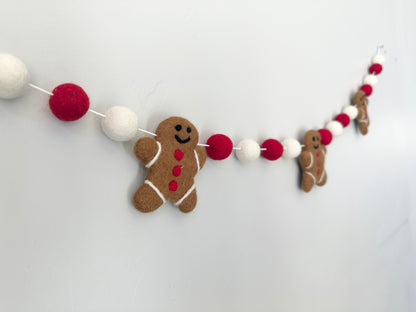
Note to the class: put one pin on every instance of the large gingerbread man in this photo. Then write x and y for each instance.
(312, 161)
(172, 160)
(361, 102)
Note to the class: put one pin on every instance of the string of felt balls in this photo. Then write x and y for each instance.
(69, 102)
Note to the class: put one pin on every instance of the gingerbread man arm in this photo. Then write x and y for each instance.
(146, 149)
(305, 159)
(202, 155)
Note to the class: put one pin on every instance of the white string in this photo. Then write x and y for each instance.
(95, 112)
(145, 131)
(39, 89)
(202, 144)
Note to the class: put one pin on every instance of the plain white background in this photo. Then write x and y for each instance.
(70, 239)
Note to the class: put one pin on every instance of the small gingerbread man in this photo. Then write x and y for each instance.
(172, 160)
(312, 160)
(361, 102)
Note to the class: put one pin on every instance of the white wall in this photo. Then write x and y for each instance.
(70, 239)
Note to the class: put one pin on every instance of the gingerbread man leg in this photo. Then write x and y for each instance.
(308, 181)
(322, 179)
(147, 198)
(188, 202)
(363, 125)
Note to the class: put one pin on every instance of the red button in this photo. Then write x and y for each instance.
(317, 154)
(176, 171)
(173, 185)
(178, 154)
(318, 172)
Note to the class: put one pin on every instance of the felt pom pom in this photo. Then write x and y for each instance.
(14, 77)
(248, 150)
(370, 80)
(292, 148)
(220, 147)
(274, 149)
(326, 136)
(367, 89)
(69, 102)
(120, 123)
(351, 111)
(375, 69)
(344, 119)
(335, 127)
(379, 59)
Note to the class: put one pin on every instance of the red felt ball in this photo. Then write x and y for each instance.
(367, 89)
(344, 119)
(326, 136)
(69, 102)
(273, 151)
(220, 147)
(375, 69)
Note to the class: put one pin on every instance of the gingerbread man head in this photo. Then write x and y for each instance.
(312, 141)
(361, 102)
(312, 161)
(177, 132)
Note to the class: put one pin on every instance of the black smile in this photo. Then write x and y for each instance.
(182, 141)
(316, 146)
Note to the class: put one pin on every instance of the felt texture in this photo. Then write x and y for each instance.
(335, 127)
(312, 161)
(370, 80)
(14, 76)
(351, 111)
(220, 147)
(175, 146)
(375, 69)
(379, 59)
(344, 119)
(361, 102)
(367, 89)
(273, 149)
(248, 150)
(120, 123)
(326, 136)
(292, 148)
(69, 102)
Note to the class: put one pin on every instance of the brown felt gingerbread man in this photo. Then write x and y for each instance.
(312, 161)
(361, 102)
(172, 160)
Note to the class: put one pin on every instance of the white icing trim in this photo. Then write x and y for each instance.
(185, 196)
(310, 165)
(152, 162)
(314, 180)
(322, 176)
(363, 120)
(156, 190)
(197, 160)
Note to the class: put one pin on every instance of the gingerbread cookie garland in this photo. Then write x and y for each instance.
(171, 170)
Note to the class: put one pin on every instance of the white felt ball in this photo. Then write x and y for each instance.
(248, 150)
(351, 111)
(335, 128)
(291, 148)
(379, 59)
(120, 123)
(371, 80)
(14, 76)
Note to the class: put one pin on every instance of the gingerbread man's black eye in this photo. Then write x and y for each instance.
(188, 130)
(313, 138)
(178, 127)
